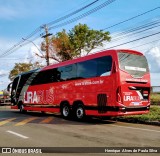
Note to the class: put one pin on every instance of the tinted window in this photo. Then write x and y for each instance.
(22, 82)
(68, 72)
(31, 79)
(104, 66)
(87, 69)
(44, 77)
(96, 67)
(24, 79)
(92, 68)
(56, 75)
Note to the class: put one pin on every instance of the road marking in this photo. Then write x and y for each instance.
(47, 120)
(17, 134)
(25, 121)
(6, 121)
(150, 130)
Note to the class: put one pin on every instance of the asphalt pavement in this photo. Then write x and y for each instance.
(34, 129)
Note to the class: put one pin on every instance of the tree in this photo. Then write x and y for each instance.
(84, 40)
(80, 40)
(62, 46)
(22, 67)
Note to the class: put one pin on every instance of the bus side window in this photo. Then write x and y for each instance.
(68, 73)
(72, 72)
(56, 75)
(104, 66)
(87, 69)
(43, 77)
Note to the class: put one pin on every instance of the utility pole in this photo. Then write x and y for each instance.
(47, 43)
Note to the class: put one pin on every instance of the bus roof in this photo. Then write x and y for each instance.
(90, 56)
(24, 73)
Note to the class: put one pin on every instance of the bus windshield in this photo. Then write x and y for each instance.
(135, 65)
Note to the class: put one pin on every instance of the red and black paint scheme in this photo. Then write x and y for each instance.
(108, 83)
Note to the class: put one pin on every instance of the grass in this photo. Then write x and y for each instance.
(155, 98)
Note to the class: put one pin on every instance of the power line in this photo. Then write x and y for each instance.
(19, 44)
(61, 18)
(83, 15)
(137, 30)
(134, 40)
(144, 44)
(72, 13)
(125, 43)
(7, 59)
(131, 18)
(10, 51)
(139, 27)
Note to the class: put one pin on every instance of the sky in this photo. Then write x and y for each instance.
(19, 18)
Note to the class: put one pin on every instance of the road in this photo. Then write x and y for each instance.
(34, 129)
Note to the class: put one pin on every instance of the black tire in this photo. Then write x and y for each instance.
(79, 112)
(65, 111)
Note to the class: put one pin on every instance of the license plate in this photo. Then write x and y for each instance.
(135, 103)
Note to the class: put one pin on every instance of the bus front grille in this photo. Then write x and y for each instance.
(102, 102)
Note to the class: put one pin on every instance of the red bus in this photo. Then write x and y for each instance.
(108, 83)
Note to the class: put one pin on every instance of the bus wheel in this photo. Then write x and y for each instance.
(79, 112)
(65, 111)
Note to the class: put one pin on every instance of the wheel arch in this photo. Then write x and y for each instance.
(64, 102)
(76, 103)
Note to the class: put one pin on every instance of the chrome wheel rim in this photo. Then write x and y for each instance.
(65, 111)
(80, 113)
